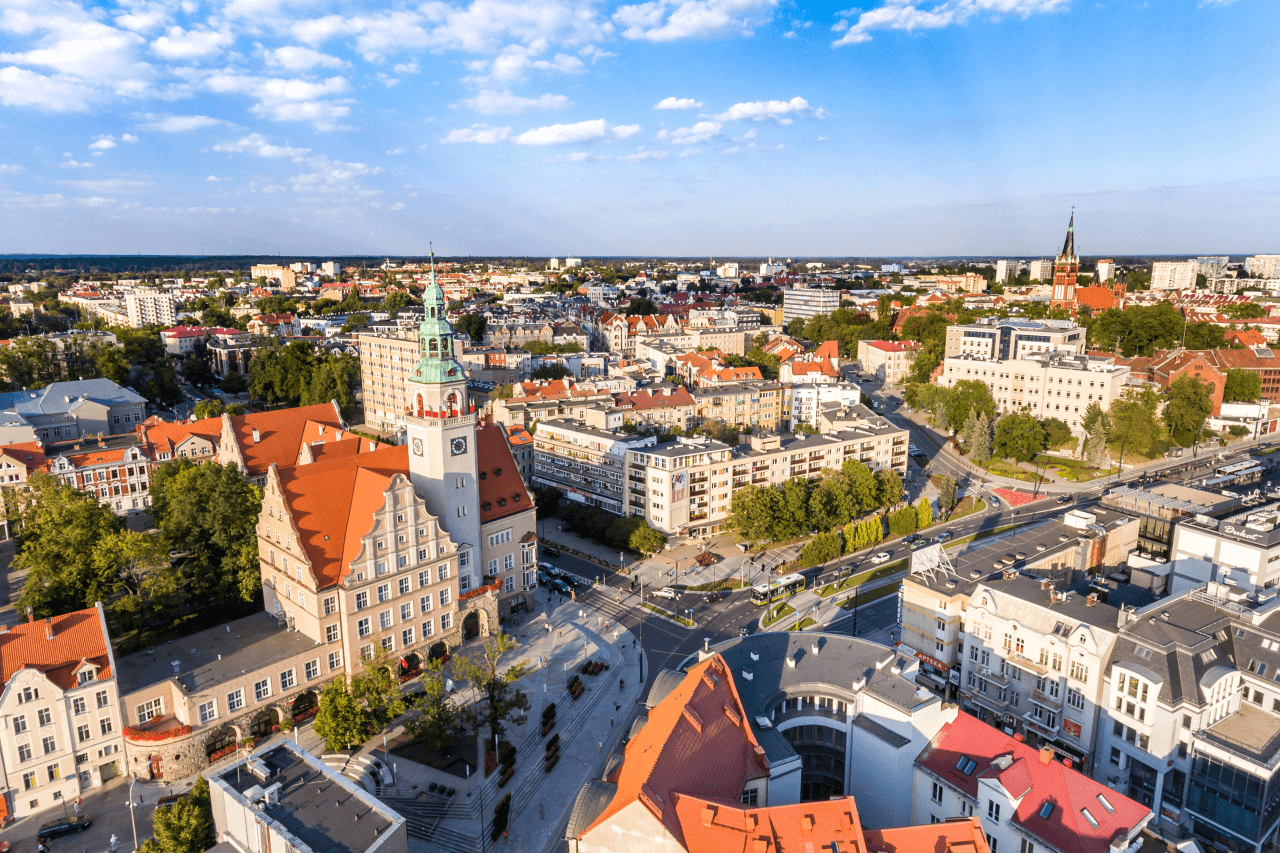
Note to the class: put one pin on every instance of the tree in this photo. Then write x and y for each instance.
(889, 487)
(340, 719)
(969, 395)
(820, 549)
(1019, 436)
(647, 540)
(503, 392)
(924, 514)
(146, 580)
(1243, 386)
(1133, 421)
(378, 690)
(1096, 447)
(946, 493)
(484, 670)
(639, 306)
(185, 826)
(1056, 432)
(435, 719)
(864, 490)
(551, 371)
(1190, 403)
(234, 383)
(214, 407)
(58, 529)
(299, 375)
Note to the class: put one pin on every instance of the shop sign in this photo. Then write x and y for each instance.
(1071, 727)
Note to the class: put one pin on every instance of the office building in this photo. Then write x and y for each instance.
(1242, 550)
(284, 798)
(770, 268)
(1041, 270)
(1013, 338)
(802, 303)
(1262, 266)
(808, 400)
(680, 486)
(1174, 275)
(1046, 385)
(149, 307)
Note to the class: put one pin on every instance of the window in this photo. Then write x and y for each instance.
(84, 676)
(406, 637)
(363, 628)
(147, 710)
(404, 586)
(424, 576)
(1075, 699)
(54, 771)
(993, 810)
(384, 592)
(24, 752)
(493, 567)
(101, 697)
(235, 701)
(1027, 846)
(288, 679)
(966, 765)
(20, 724)
(330, 605)
(83, 733)
(425, 603)
(508, 562)
(444, 597)
(208, 711)
(1093, 821)
(1079, 671)
(77, 705)
(384, 619)
(750, 797)
(444, 570)
(1115, 756)
(388, 644)
(446, 621)
(331, 633)
(262, 689)
(427, 629)
(991, 842)
(311, 668)
(45, 716)
(335, 660)
(937, 793)
(28, 780)
(362, 600)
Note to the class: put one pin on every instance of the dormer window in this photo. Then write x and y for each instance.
(966, 765)
(86, 675)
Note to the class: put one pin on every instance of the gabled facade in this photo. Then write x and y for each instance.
(119, 477)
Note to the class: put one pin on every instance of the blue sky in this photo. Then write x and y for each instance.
(692, 127)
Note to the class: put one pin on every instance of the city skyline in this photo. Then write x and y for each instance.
(949, 129)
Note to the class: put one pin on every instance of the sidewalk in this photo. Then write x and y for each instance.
(823, 611)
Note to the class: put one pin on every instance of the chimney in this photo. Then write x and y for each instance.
(48, 628)
(1092, 599)
(1046, 583)
(256, 437)
(31, 615)
(1046, 754)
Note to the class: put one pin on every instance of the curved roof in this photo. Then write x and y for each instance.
(663, 684)
(592, 800)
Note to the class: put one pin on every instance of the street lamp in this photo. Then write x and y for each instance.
(855, 609)
(132, 819)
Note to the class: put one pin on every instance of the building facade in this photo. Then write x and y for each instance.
(1174, 275)
(802, 303)
(888, 361)
(385, 365)
(1012, 338)
(148, 307)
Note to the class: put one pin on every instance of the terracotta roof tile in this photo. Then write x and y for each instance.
(165, 436)
(77, 637)
(952, 836)
(26, 453)
(502, 489)
(280, 434)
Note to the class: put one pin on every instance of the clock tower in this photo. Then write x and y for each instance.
(441, 426)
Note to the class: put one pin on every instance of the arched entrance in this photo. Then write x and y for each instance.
(263, 721)
(156, 765)
(304, 702)
(471, 625)
(219, 742)
(438, 650)
(409, 663)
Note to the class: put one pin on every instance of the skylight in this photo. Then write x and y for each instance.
(1046, 810)
(1093, 821)
(1106, 805)
(966, 765)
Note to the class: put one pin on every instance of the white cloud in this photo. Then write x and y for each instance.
(480, 134)
(489, 101)
(678, 104)
(760, 110)
(583, 131)
(699, 132)
(128, 137)
(73, 164)
(256, 144)
(897, 15)
(397, 206)
(670, 20)
(322, 114)
(331, 173)
(283, 99)
(396, 152)
(181, 44)
(9, 168)
(109, 185)
(690, 152)
(575, 157)
(20, 87)
(213, 179)
(105, 143)
(294, 58)
(178, 124)
(407, 68)
(516, 61)
(644, 155)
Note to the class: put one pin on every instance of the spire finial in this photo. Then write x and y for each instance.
(431, 249)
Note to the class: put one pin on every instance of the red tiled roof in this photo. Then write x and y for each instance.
(27, 453)
(894, 346)
(652, 399)
(828, 349)
(1096, 298)
(1246, 337)
(103, 456)
(166, 436)
(502, 489)
(716, 826)
(77, 637)
(951, 836)
(280, 434)
(519, 436)
(332, 503)
(1037, 782)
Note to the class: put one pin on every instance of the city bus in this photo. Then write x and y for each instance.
(784, 587)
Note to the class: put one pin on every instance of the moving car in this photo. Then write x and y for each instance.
(560, 587)
(944, 536)
(550, 552)
(665, 592)
(995, 501)
(882, 557)
(1062, 499)
(64, 826)
(713, 597)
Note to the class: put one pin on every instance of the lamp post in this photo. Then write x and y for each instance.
(855, 609)
(132, 819)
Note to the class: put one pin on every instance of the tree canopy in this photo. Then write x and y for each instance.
(1242, 386)
(1190, 404)
(299, 374)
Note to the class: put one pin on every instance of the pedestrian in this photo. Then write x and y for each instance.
(115, 843)
(559, 634)
(78, 802)
(599, 746)
(611, 722)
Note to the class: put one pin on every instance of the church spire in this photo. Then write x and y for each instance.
(1069, 245)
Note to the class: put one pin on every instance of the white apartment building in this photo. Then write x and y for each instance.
(1046, 385)
(330, 269)
(808, 400)
(770, 268)
(1013, 338)
(1174, 275)
(147, 307)
(1262, 266)
(1041, 270)
(1212, 266)
(728, 270)
(385, 365)
(1007, 269)
(1106, 270)
(60, 708)
(888, 361)
(806, 302)
(680, 486)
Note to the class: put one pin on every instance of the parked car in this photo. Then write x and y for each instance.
(560, 587)
(882, 557)
(1062, 499)
(551, 570)
(168, 800)
(543, 578)
(665, 592)
(64, 826)
(550, 552)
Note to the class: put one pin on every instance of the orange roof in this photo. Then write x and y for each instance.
(698, 740)
(502, 489)
(828, 349)
(653, 398)
(77, 637)
(1097, 298)
(518, 435)
(165, 436)
(102, 456)
(1246, 337)
(711, 826)
(27, 453)
(950, 836)
(332, 504)
(280, 434)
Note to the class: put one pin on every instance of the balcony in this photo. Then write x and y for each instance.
(1026, 663)
(1046, 701)
(1042, 727)
(994, 676)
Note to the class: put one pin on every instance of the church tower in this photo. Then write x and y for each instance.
(1065, 269)
(441, 426)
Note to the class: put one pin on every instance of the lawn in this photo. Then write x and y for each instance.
(1001, 468)
(777, 612)
(1075, 470)
(802, 624)
(862, 577)
(873, 595)
(967, 506)
(688, 623)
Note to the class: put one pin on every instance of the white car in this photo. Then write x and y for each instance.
(995, 501)
(665, 592)
(882, 557)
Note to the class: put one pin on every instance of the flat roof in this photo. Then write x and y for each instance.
(213, 656)
(1250, 732)
(324, 810)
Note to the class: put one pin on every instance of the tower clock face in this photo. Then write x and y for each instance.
(458, 446)
(417, 447)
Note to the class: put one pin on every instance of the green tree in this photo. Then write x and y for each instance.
(889, 487)
(946, 493)
(111, 364)
(864, 490)
(639, 306)
(1056, 432)
(1190, 404)
(1096, 447)
(855, 537)
(146, 580)
(1018, 436)
(1133, 421)
(969, 395)
(503, 392)
(377, 690)
(58, 529)
(924, 514)
(234, 383)
(436, 717)
(820, 549)
(341, 721)
(484, 669)
(186, 826)
(1242, 386)
(1245, 311)
(550, 371)
(647, 540)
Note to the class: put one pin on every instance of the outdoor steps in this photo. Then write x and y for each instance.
(423, 819)
(372, 774)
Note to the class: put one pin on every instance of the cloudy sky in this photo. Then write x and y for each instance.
(696, 127)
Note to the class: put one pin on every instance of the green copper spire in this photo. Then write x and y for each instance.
(436, 364)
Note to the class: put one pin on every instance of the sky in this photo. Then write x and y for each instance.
(662, 127)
